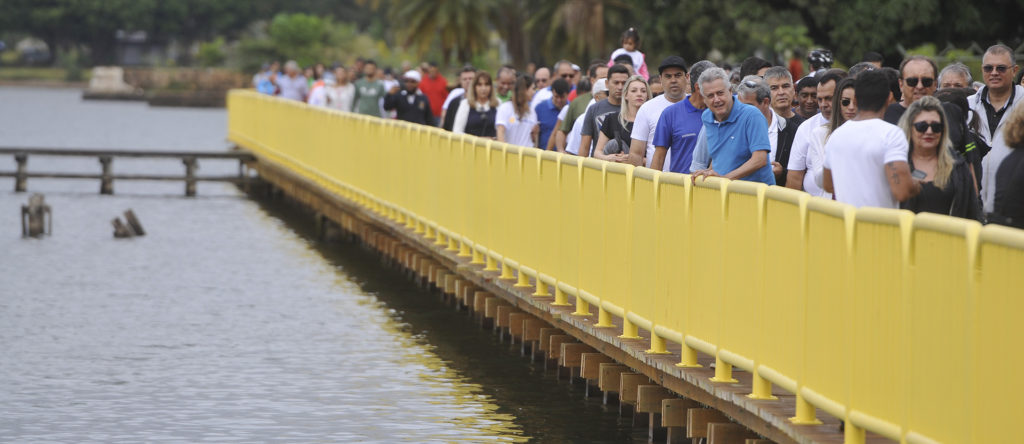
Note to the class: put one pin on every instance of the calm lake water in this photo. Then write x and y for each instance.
(228, 322)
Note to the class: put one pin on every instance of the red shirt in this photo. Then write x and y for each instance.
(436, 90)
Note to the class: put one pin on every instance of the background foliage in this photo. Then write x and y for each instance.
(243, 33)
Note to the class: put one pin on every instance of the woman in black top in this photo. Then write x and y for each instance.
(1008, 207)
(948, 186)
(614, 139)
(476, 112)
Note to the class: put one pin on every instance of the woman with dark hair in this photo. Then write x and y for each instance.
(477, 111)
(947, 180)
(844, 108)
(1008, 207)
(515, 122)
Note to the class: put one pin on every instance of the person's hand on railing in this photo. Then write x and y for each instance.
(703, 174)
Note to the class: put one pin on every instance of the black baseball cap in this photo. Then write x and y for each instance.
(672, 62)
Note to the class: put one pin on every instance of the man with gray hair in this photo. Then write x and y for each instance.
(292, 85)
(996, 99)
(736, 134)
(955, 75)
(782, 129)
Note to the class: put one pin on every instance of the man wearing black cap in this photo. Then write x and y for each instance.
(678, 127)
(674, 80)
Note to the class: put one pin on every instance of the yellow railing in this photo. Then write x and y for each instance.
(900, 325)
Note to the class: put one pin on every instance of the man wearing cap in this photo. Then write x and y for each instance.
(409, 103)
(673, 79)
(679, 125)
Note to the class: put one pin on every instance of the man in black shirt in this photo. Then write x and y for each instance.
(918, 78)
(410, 103)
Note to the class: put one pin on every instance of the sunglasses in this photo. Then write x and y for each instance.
(1000, 68)
(926, 82)
(921, 127)
(845, 102)
(567, 76)
(750, 84)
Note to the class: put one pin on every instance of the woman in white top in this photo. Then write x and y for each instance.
(343, 92)
(844, 108)
(477, 111)
(515, 122)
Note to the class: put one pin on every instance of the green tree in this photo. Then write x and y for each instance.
(459, 26)
(298, 36)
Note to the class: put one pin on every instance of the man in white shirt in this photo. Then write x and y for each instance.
(674, 79)
(991, 104)
(802, 159)
(466, 77)
(866, 158)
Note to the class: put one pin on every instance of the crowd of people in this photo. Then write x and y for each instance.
(913, 137)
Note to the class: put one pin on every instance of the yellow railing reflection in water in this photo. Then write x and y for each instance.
(893, 322)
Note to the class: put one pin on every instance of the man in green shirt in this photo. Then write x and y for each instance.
(503, 83)
(369, 91)
(578, 105)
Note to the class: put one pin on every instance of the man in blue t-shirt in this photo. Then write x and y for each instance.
(547, 111)
(736, 133)
(678, 127)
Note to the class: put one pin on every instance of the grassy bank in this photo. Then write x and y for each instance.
(40, 74)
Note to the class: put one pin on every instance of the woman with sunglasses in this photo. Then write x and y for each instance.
(947, 180)
(844, 108)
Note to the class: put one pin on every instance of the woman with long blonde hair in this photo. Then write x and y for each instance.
(614, 139)
(947, 181)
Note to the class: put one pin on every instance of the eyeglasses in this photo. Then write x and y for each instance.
(567, 76)
(926, 82)
(845, 102)
(999, 68)
(921, 127)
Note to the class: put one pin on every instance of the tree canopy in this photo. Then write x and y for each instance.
(535, 30)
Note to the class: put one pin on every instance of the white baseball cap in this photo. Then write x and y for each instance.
(413, 74)
(599, 86)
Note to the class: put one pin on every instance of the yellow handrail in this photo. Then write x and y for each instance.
(892, 322)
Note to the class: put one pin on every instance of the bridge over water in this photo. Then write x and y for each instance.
(788, 313)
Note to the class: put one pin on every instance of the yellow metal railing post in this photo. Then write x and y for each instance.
(629, 329)
(562, 300)
(542, 289)
(522, 280)
(478, 257)
(604, 318)
(762, 388)
(657, 346)
(723, 371)
(687, 357)
(506, 271)
(805, 413)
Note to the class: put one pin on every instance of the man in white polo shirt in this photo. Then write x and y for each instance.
(674, 79)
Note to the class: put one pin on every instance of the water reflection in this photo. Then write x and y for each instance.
(227, 322)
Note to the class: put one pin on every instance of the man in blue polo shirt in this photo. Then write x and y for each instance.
(547, 111)
(678, 127)
(736, 133)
